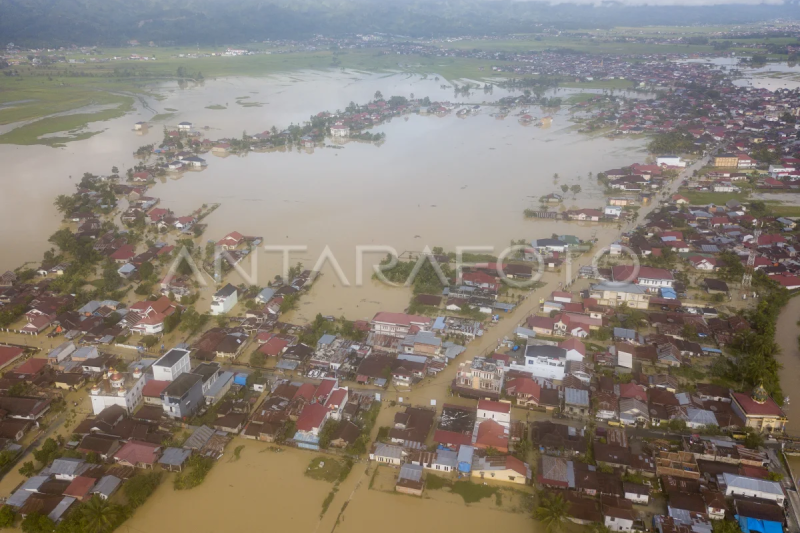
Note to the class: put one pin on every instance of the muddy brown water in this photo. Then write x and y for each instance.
(434, 181)
(789, 358)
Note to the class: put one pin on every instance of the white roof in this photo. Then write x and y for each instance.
(751, 483)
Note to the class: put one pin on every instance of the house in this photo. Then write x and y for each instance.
(9, 355)
(171, 365)
(637, 493)
(650, 278)
(138, 454)
(616, 519)
(498, 411)
(409, 480)
(670, 161)
(613, 211)
(526, 391)
(614, 293)
(399, 324)
(309, 423)
(224, 300)
(576, 401)
(184, 126)
(750, 487)
(80, 488)
(183, 396)
(715, 286)
(389, 454)
(501, 468)
(231, 241)
(633, 411)
(106, 486)
(22, 408)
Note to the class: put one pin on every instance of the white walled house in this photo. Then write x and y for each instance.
(500, 412)
(398, 324)
(224, 300)
(750, 487)
(171, 365)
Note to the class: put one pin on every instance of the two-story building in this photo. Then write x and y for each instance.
(224, 300)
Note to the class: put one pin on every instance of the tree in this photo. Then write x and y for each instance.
(27, 469)
(37, 523)
(726, 526)
(140, 487)
(552, 512)
(378, 95)
(7, 517)
(101, 515)
(564, 188)
(576, 189)
(754, 440)
(146, 270)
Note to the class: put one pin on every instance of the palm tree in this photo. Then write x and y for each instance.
(552, 512)
(100, 514)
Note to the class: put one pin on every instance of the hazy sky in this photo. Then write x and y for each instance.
(669, 2)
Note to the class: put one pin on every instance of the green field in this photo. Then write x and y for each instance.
(716, 198)
(38, 93)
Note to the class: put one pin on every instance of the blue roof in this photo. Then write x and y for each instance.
(438, 323)
(666, 292)
(759, 526)
(174, 456)
(326, 339)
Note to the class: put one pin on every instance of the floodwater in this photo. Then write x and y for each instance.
(789, 358)
(433, 182)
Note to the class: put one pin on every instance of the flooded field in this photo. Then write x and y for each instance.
(436, 181)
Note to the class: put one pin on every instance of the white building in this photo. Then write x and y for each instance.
(618, 519)
(398, 324)
(500, 412)
(340, 130)
(185, 126)
(751, 487)
(670, 161)
(612, 211)
(547, 362)
(224, 300)
(172, 364)
(120, 389)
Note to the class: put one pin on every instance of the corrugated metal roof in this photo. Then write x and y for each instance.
(56, 514)
(199, 438)
(106, 486)
(410, 472)
(174, 456)
(750, 483)
(576, 396)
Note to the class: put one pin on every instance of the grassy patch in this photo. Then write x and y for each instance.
(781, 210)
(434, 482)
(170, 109)
(216, 107)
(472, 492)
(35, 132)
(328, 469)
(162, 117)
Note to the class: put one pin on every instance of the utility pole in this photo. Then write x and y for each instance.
(747, 279)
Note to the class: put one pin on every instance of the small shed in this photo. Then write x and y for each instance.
(174, 459)
(465, 454)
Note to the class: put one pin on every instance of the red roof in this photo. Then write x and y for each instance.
(126, 251)
(31, 366)
(313, 416)
(80, 487)
(306, 391)
(233, 237)
(790, 282)
(512, 463)
(8, 354)
(135, 452)
(752, 407)
(525, 386)
(324, 390)
(491, 434)
(336, 398)
(154, 388)
(632, 390)
(497, 407)
(573, 344)
(400, 318)
(452, 438)
(274, 346)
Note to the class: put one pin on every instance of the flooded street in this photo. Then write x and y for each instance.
(789, 358)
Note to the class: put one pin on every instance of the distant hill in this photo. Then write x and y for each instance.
(114, 22)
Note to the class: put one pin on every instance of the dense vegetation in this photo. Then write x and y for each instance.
(114, 22)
